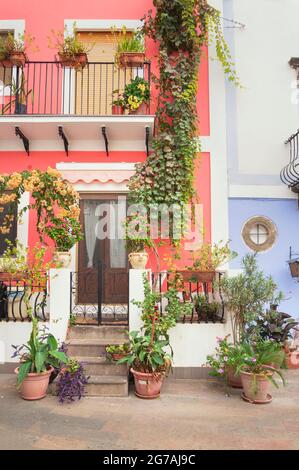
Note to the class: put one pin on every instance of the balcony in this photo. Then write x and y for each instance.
(46, 102)
(289, 175)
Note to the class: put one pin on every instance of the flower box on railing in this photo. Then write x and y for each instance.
(197, 276)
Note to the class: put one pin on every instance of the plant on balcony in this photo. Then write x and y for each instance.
(56, 204)
(118, 104)
(136, 96)
(181, 29)
(137, 234)
(13, 50)
(130, 48)
(37, 361)
(248, 294)
(71, 51)
(18, 96)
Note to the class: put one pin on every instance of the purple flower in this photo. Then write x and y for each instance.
(218, 339)
(225, 358)
(253, 359)
(220, 371)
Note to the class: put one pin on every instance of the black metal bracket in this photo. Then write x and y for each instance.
(104, 134)
(147, 136)
(25, 140)
(64, 138)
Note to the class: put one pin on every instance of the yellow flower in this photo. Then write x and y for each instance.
(53, 172)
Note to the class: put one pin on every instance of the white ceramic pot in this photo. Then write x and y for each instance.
(138, 260)
(63, 258)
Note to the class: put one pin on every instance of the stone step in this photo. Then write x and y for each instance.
(117, 332)
(102, 366)
(89, 347)
(107, 386)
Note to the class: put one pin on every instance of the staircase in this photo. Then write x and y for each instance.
(87, 344)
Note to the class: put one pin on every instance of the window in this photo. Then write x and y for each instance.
(259, 233)
(5, 73)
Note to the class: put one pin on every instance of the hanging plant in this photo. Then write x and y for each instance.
(55, 201)
(181, 28)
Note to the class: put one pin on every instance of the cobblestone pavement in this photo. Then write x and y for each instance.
(191, 414)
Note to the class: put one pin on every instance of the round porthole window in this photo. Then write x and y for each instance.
(259, 233)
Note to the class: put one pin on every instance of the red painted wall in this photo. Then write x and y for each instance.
(40, 17)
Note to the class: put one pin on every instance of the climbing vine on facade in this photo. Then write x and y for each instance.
(181, 28)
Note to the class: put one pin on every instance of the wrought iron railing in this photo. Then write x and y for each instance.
(289, 175)
(48, 88)
(207, 304)
(20, 298)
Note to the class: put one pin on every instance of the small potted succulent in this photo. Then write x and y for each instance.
(71, 51)
(13, 50)
(115, 352)
(130, 48)
(38, 358)
(136, 96)
(257, 374)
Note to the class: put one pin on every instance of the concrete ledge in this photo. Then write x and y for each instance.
(8, 367)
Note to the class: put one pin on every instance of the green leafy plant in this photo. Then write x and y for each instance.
(68, 44)
(210, 256)
(227, 356)
(136, 92)
(21, 43)
(40, 352)
(127, 42)
(248, 294)
(181, 28)
(117, 349)
(137, 233)
(271, 325)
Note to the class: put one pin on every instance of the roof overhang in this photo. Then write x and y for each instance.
(83, 133)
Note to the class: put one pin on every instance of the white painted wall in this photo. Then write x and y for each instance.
(18, 333)
(264, 113)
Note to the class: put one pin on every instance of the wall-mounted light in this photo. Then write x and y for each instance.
(294, 263)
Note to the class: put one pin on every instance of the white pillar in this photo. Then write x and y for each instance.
(136, 292)
(60, 287)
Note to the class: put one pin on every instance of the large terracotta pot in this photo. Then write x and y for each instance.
(63, 258)
(138, 260)
(147, 385)
(131, 59)
(233, 380)
(255, 392)
(34, 386)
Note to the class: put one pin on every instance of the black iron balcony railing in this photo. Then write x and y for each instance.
(290, 173)
(47, 88)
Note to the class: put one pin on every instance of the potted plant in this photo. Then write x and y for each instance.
(136, 96)
(149, 358)
(247, 295)
(130, 48)
(291, 348)
(225, 362)
(256, 373)
(37, 360)
(137, 240)
(117, 352)
(71, 382)
(13, 50)
(71, 51)
(65, 233)
(118, 105)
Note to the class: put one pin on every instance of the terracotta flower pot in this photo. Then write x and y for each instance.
(256, 392)
(138, 260)
(63, 258)
(233, 380)
(34, 386)
(17, 58)
(142, 110)
(131, 59)
(292, 360)
(147, 385)
(197, 276)
(78, 61)
(117, 356)
(117, 110)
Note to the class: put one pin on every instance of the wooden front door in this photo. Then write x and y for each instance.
(100, 248)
